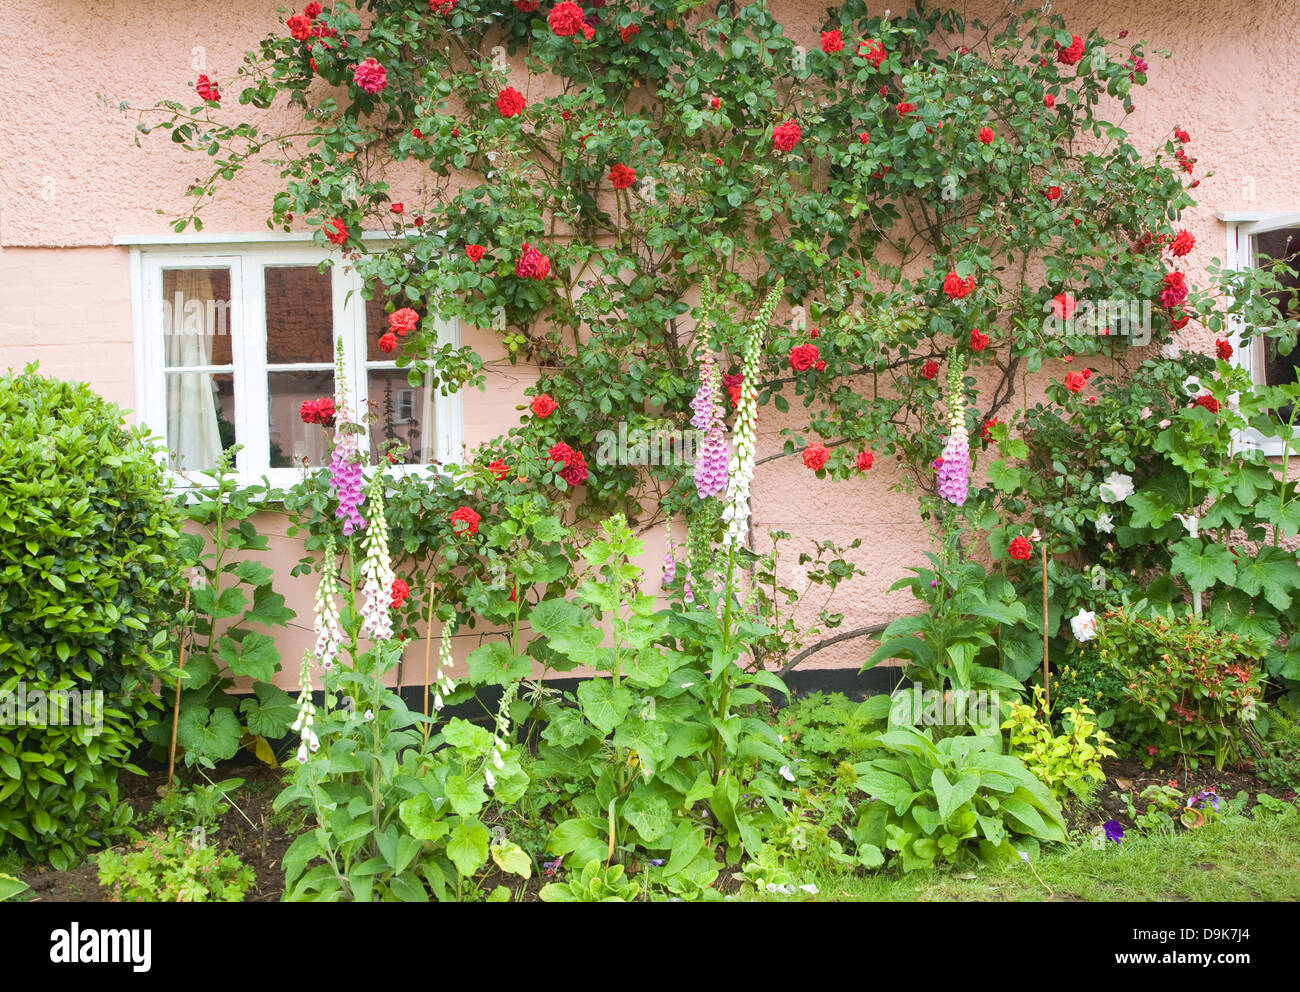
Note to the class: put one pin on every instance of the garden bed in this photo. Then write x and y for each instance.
(261, 844)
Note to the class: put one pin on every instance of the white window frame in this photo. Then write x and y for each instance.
(1242, 226)
(247, 256)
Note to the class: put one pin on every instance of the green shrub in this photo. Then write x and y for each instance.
(173, 866)
(1069, 762)
(1190, 688)
(88, 580)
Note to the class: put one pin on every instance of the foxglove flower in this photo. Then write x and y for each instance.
(302, 724)
(329, 634)
(740, 471)
(377, 569)
(954, 467)
(442, 679)
(714, 452)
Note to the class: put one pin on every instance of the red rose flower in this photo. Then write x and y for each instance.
(786, 136)
(527, 6)
(1223, 348)
(884, 91)
(319, 411)
(832, 41)
(629, 32)
(1207, 401)
(475, 253)
(865, 460)
(388, 343)
(985, 434)
(402, 321)
(401, 593)
(1178, 323)
(588, 32)
(803, 357)
(1063, 306)
(397, 208)
(1019, 549)
(864, 138)
(957, 287)
(930, 369)
(978, 340)
(621, 176)
(716, 103)
(733, 394)
(1182, 135)
(905, 108)
(1072, 55)
(1182, 244)
(1175, 290)
(499, 469)
(464, 522)
(312, 9)
(574, 471)
(416, 133)
(543, 406)
(820, 366)
(986, 135)
(1053, 192)
(1075, 381)
(566, 19)
(532, 264)
(442, 7)
(335, 230)
(510, 102)
(419, 221)
(873, 51)
(300, 27)
(815, 456)
(370, 76)
(207, 90)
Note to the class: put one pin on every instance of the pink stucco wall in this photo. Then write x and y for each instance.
(72, 180)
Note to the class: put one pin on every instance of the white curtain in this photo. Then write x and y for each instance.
(192, 432)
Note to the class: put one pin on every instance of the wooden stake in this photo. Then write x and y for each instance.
(1047, 688)
(176, 706)
(428, 644)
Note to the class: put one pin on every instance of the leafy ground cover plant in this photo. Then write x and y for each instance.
(89, 585)
(173, 866)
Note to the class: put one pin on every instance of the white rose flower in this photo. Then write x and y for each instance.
(1116, 488)
(1105, 523)
(1171, 351)
(1084, 626)
(1192, 386)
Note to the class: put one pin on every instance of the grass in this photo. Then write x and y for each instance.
(1237, 860)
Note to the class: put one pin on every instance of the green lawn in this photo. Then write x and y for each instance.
(1246, 860)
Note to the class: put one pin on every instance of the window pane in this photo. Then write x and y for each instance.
(200, 418)
(1281, 369)
(196, 317)
(400, 413)
(299, 315)
(377, 323)
(293, 443)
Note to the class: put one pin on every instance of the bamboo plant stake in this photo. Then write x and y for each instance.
(176, 706)
(428, 644)
(1047, 687)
